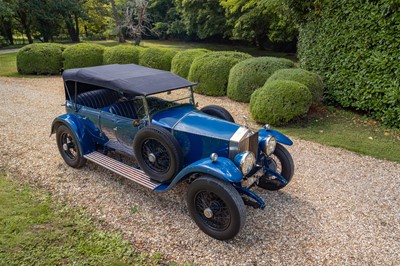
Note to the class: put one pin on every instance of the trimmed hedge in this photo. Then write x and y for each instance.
(355, 46)
(251, 74)
(83, 55)
(40, 58)
(182, 61)
(311, 80)
(157, 58)
(280, 101)
(121, 54)
(211, 71)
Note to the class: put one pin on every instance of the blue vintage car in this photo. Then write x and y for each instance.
(151, 116)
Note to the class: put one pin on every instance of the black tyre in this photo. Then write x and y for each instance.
(216, 207)
(218, 111)
(282, 162)
(158, 153)
(68, 147)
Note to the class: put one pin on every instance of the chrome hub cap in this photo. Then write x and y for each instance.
(152, 158)
(208, 213)
(65, 146)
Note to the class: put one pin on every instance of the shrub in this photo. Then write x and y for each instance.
(157, 58)
(211, 70)
(182, 61)
(40, 58)
(121, 54)
(354, 46)
(311, 80)
(83, 55)
(251, 74)
(279, 101)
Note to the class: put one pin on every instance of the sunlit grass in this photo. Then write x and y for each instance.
(346, 129)
(36, 231)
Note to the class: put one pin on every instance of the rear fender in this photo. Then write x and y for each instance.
(76, 125)
(281, 138)
(223, 169)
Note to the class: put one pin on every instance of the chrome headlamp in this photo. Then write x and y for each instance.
(269, 145)
(245, 161)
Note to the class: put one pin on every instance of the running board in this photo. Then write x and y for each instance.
(133, 174)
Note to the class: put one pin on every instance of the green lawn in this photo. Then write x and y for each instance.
(8, 66)
(345, 129)
(36, 231)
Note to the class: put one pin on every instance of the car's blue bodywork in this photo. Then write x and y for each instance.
(199, 135)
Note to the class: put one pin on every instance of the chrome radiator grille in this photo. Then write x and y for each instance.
(243, 140)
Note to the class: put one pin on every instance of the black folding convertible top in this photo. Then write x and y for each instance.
(129, 78)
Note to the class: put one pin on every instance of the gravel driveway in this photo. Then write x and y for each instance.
(340, 209)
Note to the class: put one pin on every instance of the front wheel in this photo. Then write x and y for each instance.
(69, 147)
(281, 162)
(216, 207)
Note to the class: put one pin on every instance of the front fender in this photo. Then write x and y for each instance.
(223, 169)
(74, 123)
(281, 138)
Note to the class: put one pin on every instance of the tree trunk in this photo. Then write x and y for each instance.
(73, 34)
(117, 18)
(25, 25)
(8, 31)
(77, 26)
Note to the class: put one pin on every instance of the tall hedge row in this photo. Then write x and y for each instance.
(40, 58)
(355, 46)
(83, 55)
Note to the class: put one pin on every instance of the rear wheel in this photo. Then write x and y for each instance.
(218, 111)
(216, 207)
(158, 153)
(69, 148)
(281, 162)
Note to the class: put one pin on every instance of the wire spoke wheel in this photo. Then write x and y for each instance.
(156, 156)
(158, 153)
(212, 210)
(68, 144)
(69, 147)
(216, 207)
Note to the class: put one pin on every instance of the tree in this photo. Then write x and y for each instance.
(71, 11)
(24, 17)
(203, 18)
(257, 20)
(135, 19)
(98, 17)
(163, 15)
(6, 24)
(46, 18)
(118, 21)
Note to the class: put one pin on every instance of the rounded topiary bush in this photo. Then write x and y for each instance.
(157, 58)
(211, 71)
(121, 54)
(251, 74)
(182, 61)
(83, 55)
(280, 101)
(311, 80)
(40, 58)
